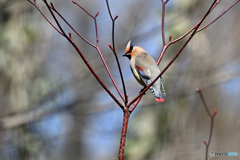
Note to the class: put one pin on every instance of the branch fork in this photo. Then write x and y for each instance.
(212, 116)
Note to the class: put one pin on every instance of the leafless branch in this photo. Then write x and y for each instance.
(51, 7)
(114, 51)
(99, 51)
(212, 116)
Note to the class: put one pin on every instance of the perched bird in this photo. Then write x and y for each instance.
(144, 69)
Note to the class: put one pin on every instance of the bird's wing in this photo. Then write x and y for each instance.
(143, 71)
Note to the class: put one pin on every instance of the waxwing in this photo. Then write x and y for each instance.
(144, 69)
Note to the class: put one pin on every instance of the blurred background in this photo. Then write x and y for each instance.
(52, 108)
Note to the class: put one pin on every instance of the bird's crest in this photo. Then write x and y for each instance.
(129, 47)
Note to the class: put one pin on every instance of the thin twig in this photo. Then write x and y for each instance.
(204, 102)
(163, 32)
(99, 51)
(35, 5)
(83, 9)
(181, 37)
(163, 22)
(135, 104)
(190, 30)
(114, 51)
(60, 15)
(218, 16)
(212, 116)
(80, 53)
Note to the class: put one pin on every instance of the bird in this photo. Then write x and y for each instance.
(144, 69)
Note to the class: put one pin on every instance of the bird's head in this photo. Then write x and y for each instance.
(129, 50)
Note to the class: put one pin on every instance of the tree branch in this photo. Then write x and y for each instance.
(36, 6)
(99, 51)
(114, 51)
(218, 16)
(163, 22)
(212, 116)
(124, 133)
(190, 30)
(80, 53)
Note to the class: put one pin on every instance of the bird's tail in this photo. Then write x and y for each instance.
(157, 94)
(157, 91)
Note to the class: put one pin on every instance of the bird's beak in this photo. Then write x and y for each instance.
(127, 55)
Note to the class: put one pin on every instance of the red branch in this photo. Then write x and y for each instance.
(165, 46)
(124, 133)
(163, 22)
(35, 4)
(74, 45)
(218, 16)
(99, 51)
(212, 116)
(115, 53)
